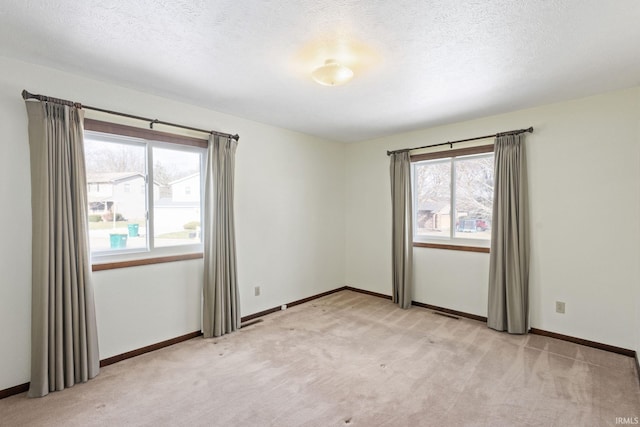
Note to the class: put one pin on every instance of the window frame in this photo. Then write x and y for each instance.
(104, 260)
(451, 242)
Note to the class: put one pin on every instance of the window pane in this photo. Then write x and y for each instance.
(432, 198)
(474, 196)
(117, 215)
(176, 194)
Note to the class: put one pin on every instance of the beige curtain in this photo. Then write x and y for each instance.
(221, 306)
(402, 229)
(64, 342)
(509, 261)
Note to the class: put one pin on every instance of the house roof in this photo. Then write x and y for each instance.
(112, 177)
(433, 206)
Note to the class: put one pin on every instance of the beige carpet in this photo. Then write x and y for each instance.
(350, 360)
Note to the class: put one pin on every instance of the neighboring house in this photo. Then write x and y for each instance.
(181, 207)
(125, 190)
(186, 189)
(433, 215)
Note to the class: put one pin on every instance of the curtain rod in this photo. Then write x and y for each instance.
(450, 143)
(26, 95)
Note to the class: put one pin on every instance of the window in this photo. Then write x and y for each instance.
(453, 196)
(160, 219)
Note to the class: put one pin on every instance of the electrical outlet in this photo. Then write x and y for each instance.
(283, 307)
(559, 307)
(256, 291)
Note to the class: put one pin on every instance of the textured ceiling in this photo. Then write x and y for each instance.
(416, 63)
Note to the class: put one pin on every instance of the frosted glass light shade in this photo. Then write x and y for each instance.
(332, 73)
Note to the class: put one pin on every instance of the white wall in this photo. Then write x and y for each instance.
(139, 306)
(584, 181)
(311, 212)
(289, 222)
(637, 297)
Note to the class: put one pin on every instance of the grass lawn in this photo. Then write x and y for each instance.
(121, 226)
(175, 235)
(105, 225)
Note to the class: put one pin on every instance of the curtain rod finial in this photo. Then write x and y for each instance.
(530, 130)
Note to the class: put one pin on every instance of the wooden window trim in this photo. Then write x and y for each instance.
(480, 249)
(453, 153)
(149, 134)
(145, 261)
(482, 149)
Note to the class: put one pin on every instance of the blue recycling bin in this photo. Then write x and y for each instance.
(118, 240)
(133, 230)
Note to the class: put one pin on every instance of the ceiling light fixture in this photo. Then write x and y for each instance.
(332, 73)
